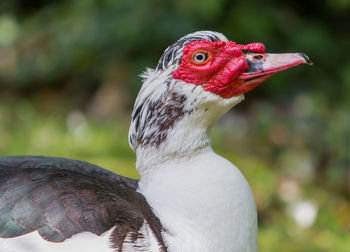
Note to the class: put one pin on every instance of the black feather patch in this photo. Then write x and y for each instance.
(161, 117)
(62, 197)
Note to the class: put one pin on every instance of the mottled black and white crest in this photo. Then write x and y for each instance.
(173, 54)
(159, 105)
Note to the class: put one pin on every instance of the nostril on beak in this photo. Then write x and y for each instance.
(306, 58)
(258, 57)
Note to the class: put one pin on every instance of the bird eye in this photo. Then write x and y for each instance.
(200, 57)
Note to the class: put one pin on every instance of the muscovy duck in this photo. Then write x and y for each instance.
(188, 198)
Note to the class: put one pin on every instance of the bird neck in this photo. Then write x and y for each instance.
(183, 140)
(172, 119)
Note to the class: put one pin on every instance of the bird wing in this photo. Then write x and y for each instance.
(61, 197)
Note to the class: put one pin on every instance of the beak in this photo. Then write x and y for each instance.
(263, 65)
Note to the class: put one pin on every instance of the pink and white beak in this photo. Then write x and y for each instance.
(266, 64)
(262, 66)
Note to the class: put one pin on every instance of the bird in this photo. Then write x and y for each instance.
(188, 198)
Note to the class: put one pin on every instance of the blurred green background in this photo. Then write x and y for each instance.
(69, 74)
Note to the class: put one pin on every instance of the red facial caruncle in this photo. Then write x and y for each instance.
(229, 69)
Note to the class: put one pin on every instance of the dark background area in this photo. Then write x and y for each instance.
(69, 73)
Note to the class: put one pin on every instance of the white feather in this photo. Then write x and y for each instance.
(204, 203)
(33, 242)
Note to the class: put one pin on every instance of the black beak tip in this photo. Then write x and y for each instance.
(306, 58)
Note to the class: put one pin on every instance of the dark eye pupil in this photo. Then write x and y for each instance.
(200, 57)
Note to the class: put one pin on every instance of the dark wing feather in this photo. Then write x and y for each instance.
(62, 197)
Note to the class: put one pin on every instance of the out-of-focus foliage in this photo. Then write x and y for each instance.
(69, 75)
